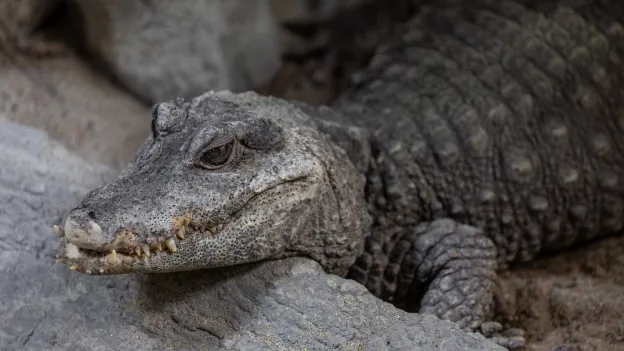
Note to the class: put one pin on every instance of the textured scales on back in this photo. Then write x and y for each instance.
(502, 117)
(486, 135)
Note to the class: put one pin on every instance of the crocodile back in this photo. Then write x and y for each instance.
(507, 115)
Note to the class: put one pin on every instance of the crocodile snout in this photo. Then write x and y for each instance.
(82, 230)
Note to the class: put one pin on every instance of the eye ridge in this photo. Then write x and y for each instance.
(217, 156)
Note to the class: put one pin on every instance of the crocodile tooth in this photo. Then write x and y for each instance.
(101, 270)
(171, 245)
(59, 261)
(112, 257)
(213, 230)
(58, 231)
(73, 268)
(94, 228)
(138, 250)
(88, 271)
(158, 247)
(219, 227)
(181, 232)
(146, 250)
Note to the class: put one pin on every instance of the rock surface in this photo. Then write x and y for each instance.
(163, 49)
(279, 305)
(64, 97)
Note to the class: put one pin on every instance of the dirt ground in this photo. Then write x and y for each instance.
(573, 301)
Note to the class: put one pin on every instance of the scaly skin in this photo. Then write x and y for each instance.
(285, 191)
(487, 135)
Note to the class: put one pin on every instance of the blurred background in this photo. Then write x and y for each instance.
(87, 71)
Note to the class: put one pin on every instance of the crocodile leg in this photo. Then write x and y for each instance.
(443, 268)
(453, 255)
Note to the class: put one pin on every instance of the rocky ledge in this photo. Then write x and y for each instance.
(279, 305)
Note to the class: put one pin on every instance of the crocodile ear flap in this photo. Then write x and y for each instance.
(355, 141)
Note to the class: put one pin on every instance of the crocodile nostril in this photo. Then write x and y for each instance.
(91, 215)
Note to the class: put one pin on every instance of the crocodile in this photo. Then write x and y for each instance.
(485, 136)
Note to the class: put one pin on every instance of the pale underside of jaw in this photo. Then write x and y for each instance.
(140, 258)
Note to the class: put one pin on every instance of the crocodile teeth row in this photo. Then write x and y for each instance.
(216, 228)
(145, 251)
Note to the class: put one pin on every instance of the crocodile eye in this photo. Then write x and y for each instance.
(217, 156)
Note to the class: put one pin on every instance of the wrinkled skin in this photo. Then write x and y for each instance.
(282, 190)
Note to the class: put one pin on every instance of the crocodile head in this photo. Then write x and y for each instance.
(223, 180)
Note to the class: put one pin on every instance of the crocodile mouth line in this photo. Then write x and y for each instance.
(137, 252)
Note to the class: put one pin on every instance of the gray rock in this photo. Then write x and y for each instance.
(162, 49)
(278, 305)
(74, 105)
